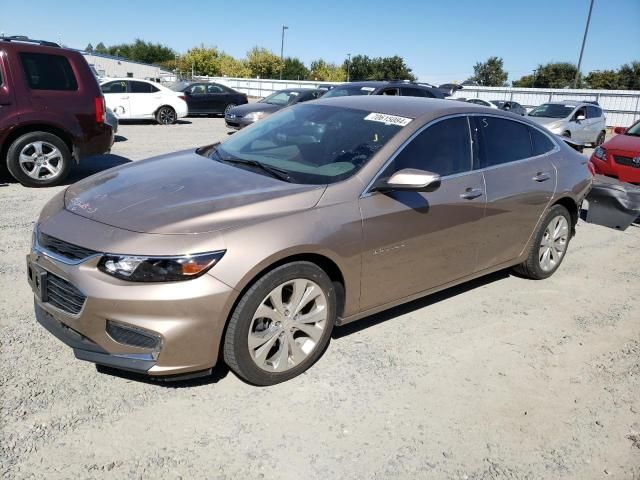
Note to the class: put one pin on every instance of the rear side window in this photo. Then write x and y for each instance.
(501, 141)
(215, 89)
(540, 142)
(118, 86)
(443, 148)
(142, 87)
(48, 72)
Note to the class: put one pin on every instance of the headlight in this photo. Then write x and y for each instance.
(600, 153)
(254, 116)
(554, 126)
(158, 269)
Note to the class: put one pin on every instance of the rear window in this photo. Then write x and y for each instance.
(48, 72)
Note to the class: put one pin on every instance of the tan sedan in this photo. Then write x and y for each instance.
(252, 250)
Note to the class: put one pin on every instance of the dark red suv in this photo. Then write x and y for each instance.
(51, 111)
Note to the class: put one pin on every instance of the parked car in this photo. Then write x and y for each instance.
(252, 250)
(482, 103)
(111, 120)
(620, 156)
(509, 106)
(135, 99)
(243, 115)
(52, 111)
(394, 87)
(209, 98)
(581, 121)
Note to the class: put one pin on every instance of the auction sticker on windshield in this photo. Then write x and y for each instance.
(388, 119)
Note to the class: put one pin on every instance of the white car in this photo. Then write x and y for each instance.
(482, 103)
(141, 99)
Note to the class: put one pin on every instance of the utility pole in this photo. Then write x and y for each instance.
(584, 40)
(284, 27)
(348, 67)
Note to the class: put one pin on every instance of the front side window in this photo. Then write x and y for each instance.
(118, 86)
(197, 89)
(142, 87)
(443, 148)
(48, 72)
(313, 144)
(390, 91)
(501, 140)
(593, 112)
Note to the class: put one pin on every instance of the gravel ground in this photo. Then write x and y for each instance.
(503, 378)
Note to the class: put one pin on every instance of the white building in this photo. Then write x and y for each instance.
(111, 66)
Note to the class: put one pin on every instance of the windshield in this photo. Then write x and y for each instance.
(312, 144)
(348, 90)
(498, 103)
(633, 130)
(281, 98)
(552, 110)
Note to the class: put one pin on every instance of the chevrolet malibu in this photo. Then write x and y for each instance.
(251, 251)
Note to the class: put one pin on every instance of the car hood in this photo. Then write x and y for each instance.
(184, 193)
(627, 143)
(545, 120)
(247, 108)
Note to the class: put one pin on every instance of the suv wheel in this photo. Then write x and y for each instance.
(281, 325)
(549, 246)
(39, 159)
(166, 116)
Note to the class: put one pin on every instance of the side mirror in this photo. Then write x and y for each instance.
(411, 180)
(580, 117)
(620, 130)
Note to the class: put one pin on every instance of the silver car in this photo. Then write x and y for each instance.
(583, 122)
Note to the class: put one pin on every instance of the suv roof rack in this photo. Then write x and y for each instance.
(24, 38)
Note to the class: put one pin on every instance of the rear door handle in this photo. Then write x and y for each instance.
(542, 177)
(471, 193)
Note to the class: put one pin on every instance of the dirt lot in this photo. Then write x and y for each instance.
(504, 378)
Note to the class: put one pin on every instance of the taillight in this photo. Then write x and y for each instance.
(100, 109)
(182, 97)
(592, 168)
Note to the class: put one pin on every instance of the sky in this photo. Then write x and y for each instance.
(440, 40)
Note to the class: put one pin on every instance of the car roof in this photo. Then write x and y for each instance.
(575, 103)
(119, 79)
(412, 107)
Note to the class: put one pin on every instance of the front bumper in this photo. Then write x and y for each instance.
(611, 168)
(237, 123)
(188, 317)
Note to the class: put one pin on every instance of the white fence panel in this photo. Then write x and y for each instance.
(621, 107)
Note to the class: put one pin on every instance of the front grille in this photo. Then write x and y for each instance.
(129, 335)
(64, 249)
(63, 295)
(627, 161)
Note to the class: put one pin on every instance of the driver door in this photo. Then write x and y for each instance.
(116, 97)
(414, 241)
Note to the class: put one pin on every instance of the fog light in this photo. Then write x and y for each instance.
(134, 336)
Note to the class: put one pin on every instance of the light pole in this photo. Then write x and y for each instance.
(348, 66)
(284, 27)
(584, 40)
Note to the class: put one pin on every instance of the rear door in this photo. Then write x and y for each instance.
(145, 98)
(217, 98)
(520, 182)
(116, 96)
(414, 241)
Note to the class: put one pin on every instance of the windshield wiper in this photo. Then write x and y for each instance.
(275, 172)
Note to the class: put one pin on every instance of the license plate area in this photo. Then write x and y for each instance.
(37, 277)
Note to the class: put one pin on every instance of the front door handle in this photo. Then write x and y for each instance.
(471, 193)
(541, 177)
(124, 98)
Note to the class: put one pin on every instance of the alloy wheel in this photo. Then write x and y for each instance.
(229, 107)
(167, 116)
(288, 325)
(41, 160)
(554, 243)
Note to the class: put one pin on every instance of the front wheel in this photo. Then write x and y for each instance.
(600, 140)
(39, 159)
(229, 107)
(281, 325)
(549, 245)
(166, 116)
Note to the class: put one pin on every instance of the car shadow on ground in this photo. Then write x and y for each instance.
(152, 122)
(219, 372)
(414, 305)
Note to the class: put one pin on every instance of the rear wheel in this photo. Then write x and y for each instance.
(39, 159)
(549, 245)
(166, 116)
(281, 325)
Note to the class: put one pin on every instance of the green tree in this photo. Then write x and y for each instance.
(490, 73)
(100, 48)
(360, 68)
(363, 67)
(629, 76)
(551, 75)
(327, 72)
(201, 60)
(603, 79)
(232, 67)
(263, 63)
(142, 51)
(294, 69)
(89, 48)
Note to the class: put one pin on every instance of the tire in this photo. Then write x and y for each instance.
(535, 266)
(166, 115)
(600, 140)
(228, 107)
(273, 340)
(51, 159)
(566, 133)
